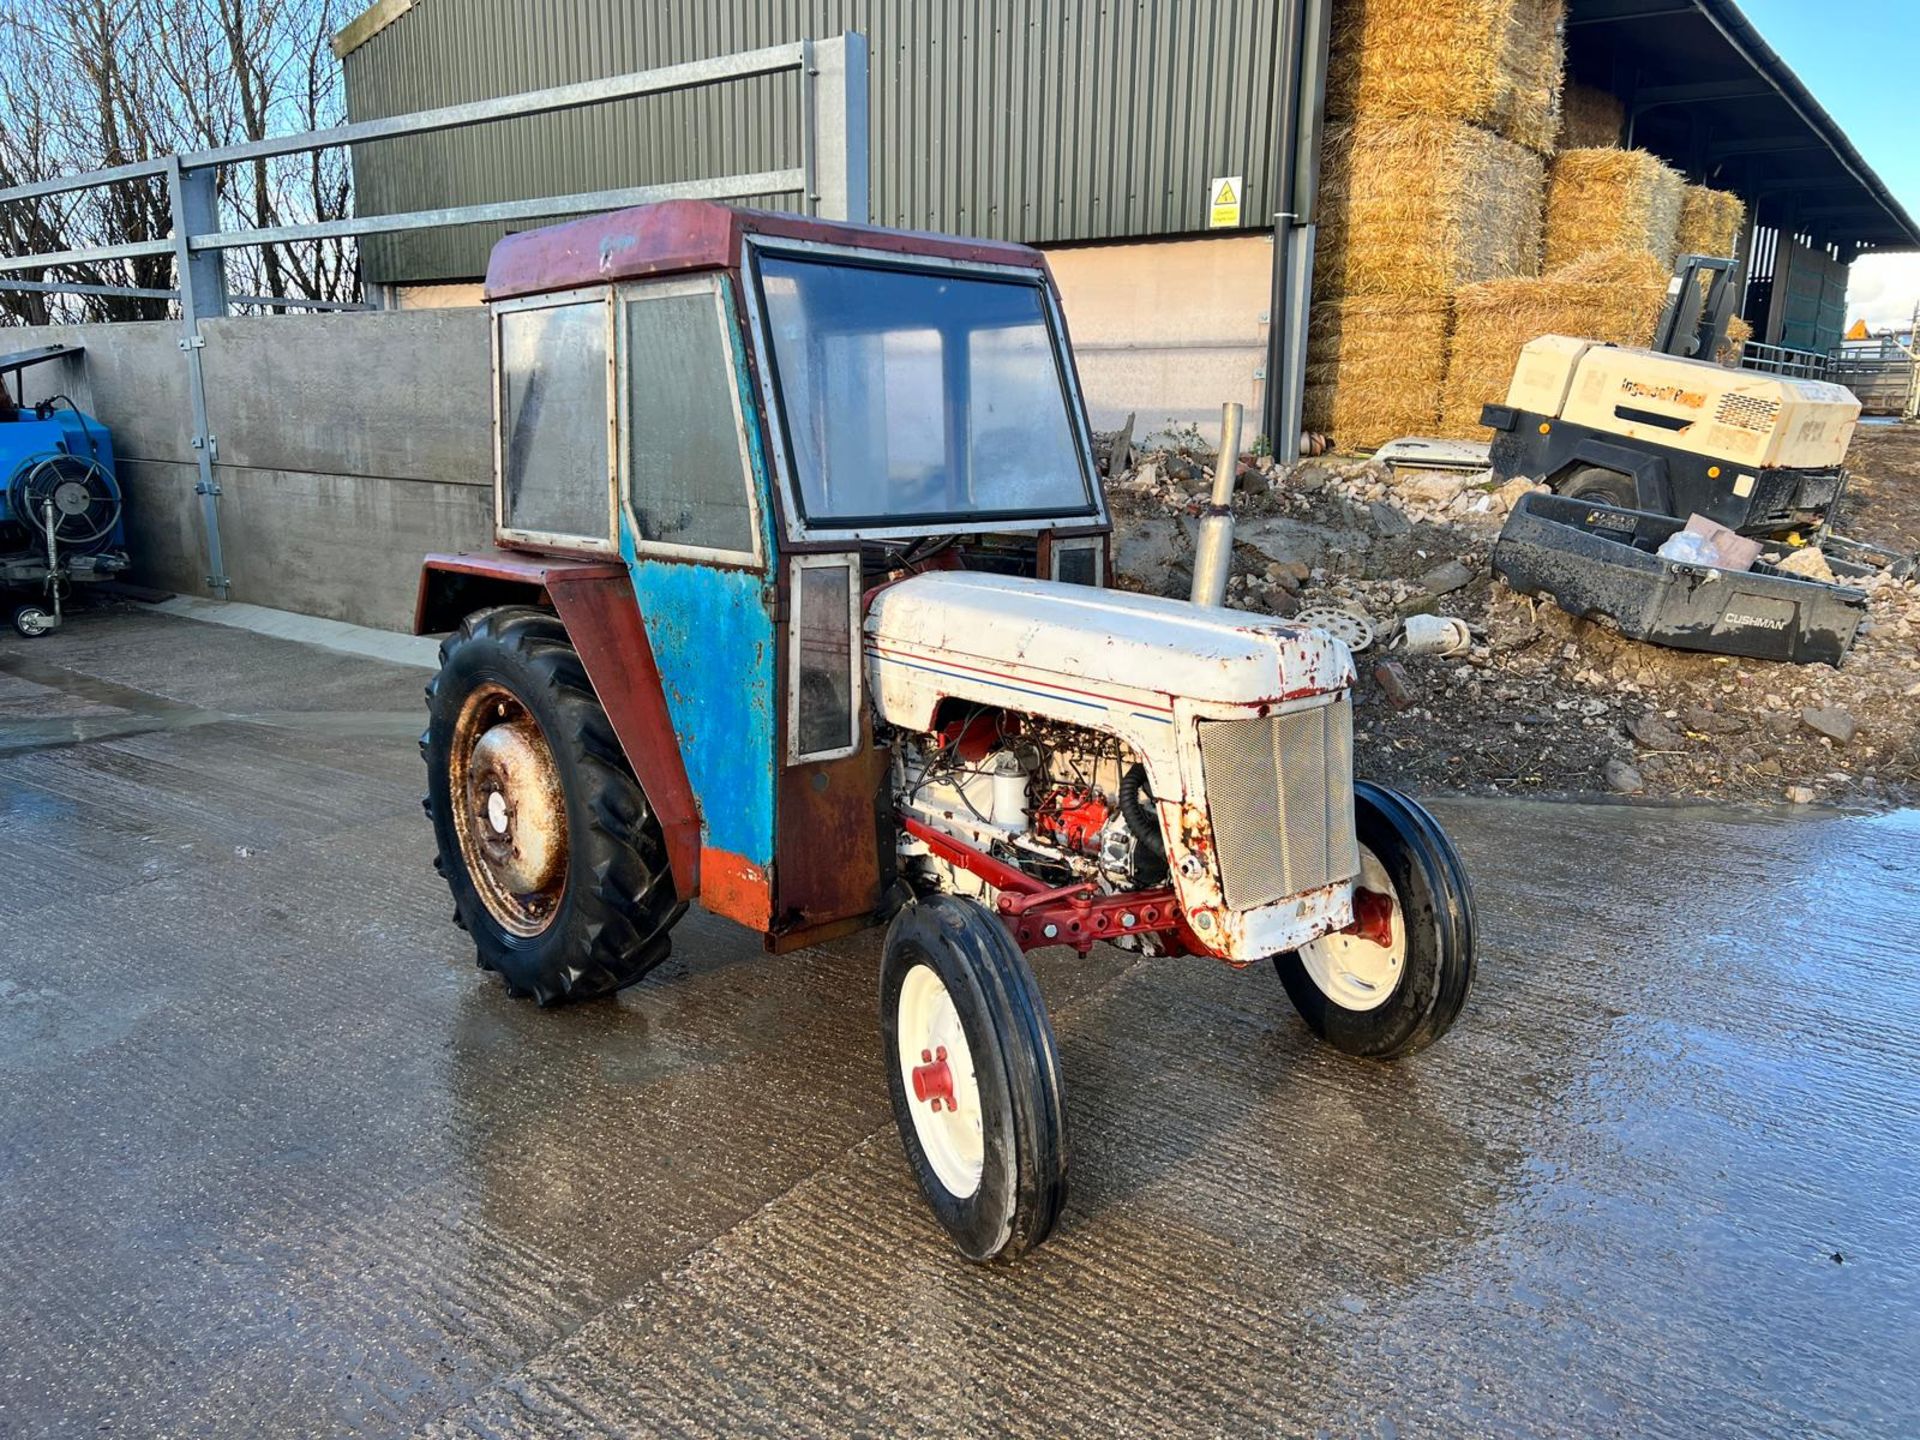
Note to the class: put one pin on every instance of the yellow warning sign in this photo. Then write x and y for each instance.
(1859, 331)
(1223, 202)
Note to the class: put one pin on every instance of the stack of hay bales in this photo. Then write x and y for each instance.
(1590, 117)
(1614, 296)
(1445, 241)
(1711, 222)
(1615, 221)
(1433, 178)
(1491, 63)
(1600, 200)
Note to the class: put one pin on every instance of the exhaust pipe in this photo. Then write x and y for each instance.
(1213, 554)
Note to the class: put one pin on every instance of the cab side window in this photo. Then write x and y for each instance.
(689, 486)
(551, 356)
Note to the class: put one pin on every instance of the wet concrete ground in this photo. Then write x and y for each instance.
(275, 1159)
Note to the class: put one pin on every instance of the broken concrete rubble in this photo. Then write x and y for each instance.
(1831, 721)
(1623, 778)
(1543, 701)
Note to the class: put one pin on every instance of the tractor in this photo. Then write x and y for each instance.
(800, 608)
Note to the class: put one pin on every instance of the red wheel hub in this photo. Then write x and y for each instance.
(1372, 917)
(932, 1080)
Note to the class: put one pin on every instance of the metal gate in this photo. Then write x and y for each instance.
(828, 178)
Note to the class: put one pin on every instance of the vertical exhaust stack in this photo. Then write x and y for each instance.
(1213, 554)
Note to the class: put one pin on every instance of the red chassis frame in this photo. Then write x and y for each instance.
(1078, 915)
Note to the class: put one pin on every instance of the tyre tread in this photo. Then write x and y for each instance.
(614, 930)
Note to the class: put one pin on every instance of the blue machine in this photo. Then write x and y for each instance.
(60, 508)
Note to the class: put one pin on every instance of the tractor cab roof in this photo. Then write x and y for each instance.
(680, 236)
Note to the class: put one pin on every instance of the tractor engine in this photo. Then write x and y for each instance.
(1063, 804)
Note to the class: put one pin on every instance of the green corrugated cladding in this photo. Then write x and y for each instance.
(1032, 120)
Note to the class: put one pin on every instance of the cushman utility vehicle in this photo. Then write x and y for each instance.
(800, 611)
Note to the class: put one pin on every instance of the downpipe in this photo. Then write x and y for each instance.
(1213, 552)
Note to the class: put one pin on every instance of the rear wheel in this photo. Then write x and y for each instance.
(555, 859)
(974, 1077)
(1396, 981)
(1606, 487)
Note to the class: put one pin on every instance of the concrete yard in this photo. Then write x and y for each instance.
(276, 1160)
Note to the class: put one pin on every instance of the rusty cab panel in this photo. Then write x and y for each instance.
(643, 350)
(666, 570)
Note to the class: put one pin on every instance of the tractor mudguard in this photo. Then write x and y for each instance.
(595, 601)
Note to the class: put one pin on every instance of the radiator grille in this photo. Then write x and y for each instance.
(1747, 412)
(1280, 795)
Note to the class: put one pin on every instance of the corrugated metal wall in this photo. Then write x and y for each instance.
(1035, 120)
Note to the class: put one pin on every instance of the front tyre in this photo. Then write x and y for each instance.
(974, 1077)
(556, 861)
(1396, 982)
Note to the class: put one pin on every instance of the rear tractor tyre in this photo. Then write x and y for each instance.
(556, 861)
(1397, 982)
(974, 1077)
(1604, 487)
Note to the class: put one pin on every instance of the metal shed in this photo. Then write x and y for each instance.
(1030, 120)
(1055, 122)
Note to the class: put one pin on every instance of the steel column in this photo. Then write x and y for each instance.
(1304, 39)
(203, 296)
(835, 81)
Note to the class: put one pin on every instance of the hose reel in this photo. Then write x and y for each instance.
(70, 500)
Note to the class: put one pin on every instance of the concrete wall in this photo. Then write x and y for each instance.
(346, 447)
(1169, 330)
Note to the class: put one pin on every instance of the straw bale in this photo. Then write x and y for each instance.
(1738, 333)
(1590, 118)
(1711, 222)
(1375, 365)
(1495, 63)
(1422, 206)
(1614, 297)
(1599, 200)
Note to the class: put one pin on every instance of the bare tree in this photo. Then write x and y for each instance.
(87, 84)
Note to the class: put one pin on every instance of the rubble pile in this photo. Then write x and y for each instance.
(1539, 702)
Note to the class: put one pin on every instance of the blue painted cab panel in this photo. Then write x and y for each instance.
(711, 628)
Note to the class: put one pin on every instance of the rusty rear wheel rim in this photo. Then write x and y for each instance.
(509, 810)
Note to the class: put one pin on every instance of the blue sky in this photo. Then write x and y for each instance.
(1861, 59)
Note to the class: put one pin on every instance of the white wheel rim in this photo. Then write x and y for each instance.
(943, 1095)
(1353, 972)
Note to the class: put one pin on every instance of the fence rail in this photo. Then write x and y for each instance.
(829, 179)
(1884, 382)
(1784, 360)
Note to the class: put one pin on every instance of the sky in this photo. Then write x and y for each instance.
(1861, 59)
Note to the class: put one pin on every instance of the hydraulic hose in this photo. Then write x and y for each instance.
(1141, 817)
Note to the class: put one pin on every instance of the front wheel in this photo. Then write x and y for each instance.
(1396, 980)
(974, 1077)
